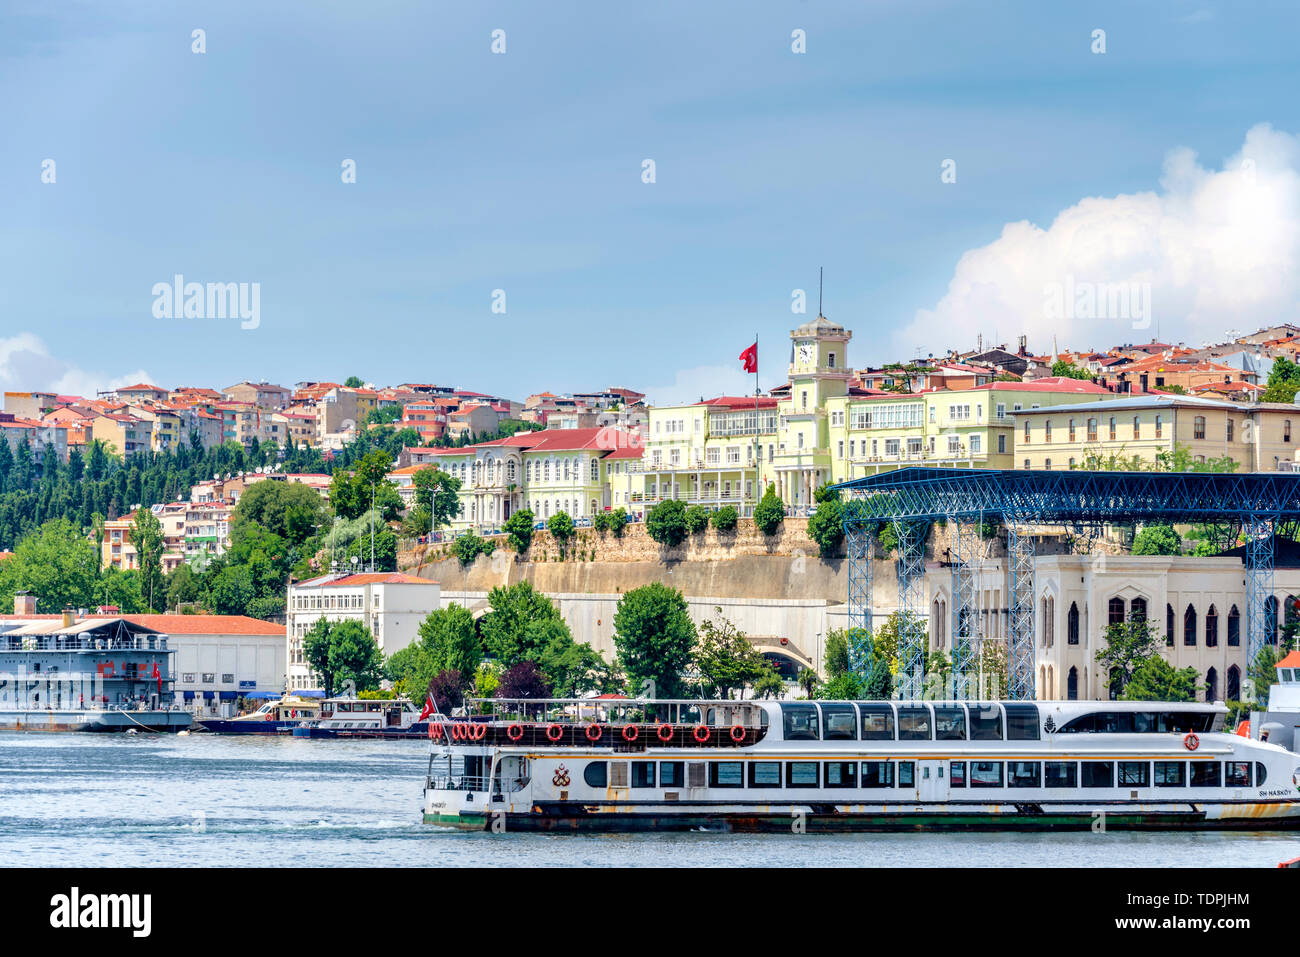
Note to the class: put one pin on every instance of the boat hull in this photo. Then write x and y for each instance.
(234, 726)
(574, 818)
(416, 732)
(94, 721)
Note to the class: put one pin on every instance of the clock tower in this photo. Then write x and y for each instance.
(819, 370)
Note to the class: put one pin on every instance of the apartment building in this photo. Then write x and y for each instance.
(263, 395)
(125, 432)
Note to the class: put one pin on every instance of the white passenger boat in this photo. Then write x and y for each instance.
(854, 766)
(364, 718)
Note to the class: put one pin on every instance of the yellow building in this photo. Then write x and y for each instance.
(1258, 437)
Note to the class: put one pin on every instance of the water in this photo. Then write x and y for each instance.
(161, 800)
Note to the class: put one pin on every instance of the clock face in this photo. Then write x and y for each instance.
(805, 353)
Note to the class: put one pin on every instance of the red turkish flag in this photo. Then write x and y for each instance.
(750, 358)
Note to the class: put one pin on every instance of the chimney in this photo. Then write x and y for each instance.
(68, 618)
(24, 603)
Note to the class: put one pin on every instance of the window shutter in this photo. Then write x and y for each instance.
(695, 774)
(618, 774)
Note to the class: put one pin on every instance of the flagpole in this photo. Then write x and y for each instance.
(757, 470)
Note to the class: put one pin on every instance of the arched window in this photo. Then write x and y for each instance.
(1071, 422)
(1115, 611)
(1047, 431)
(1026, 431)
(1072, 625)
(1189, 625)
(1092, 430)
(1072, 685)
(936, 615)
(1169, 625)
(1211, 685)
(1234, 627)
(1137, 610)
(1137, 427)
(1112, 428)
(1234, 683)
(1198, 427)
(1270, 620)
(1212, 629)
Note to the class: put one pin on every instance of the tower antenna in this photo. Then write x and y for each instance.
(820, 270)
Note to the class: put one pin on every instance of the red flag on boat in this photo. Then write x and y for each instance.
(158, 675)
(750, 358)
(429, 708)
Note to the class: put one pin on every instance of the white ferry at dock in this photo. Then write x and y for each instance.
(853, 766)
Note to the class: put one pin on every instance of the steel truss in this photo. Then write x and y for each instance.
(861, 541)
(912, 614)
(966, 637)
(910, 498)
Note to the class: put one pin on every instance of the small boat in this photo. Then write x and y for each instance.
(365, 718)
(854, 766)
(274, 717)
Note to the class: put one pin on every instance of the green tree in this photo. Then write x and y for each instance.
(560, 525)
(725, 658)
(56, 563)
(826, 526)
(470, 546)
(289, 510)
(808, 680)
(449, 636)
(1128, 644)
(1155, 679)
(1157, 540)
(769, 513)
(1063, 368)
(769, 684)
(836, 653)
(654, 637)
(147, 538)
(345, 655)
(120, 589)
(696, 518)
(519, 530)
(505, 629)
(725, 518)
(230, 590)
(183, 586)
(618, 521)
(316, 652)
(438, 492)
(1283, 381)
(666, 523)
(353, 382)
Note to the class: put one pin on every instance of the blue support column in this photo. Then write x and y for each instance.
(1259, 531)
(1020, 646)
(912, 630)
(965, 613)
(861, 542)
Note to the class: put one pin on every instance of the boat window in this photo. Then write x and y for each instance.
(841, 774)
(986, 774)
(1134, 774)
(877, 774)
(643, 774)
(764, 774)
(1098, 774)
(957, 774)
(596, 774)
(1022, 722)
(839, 722)
(1126, 722)
(906, 774)
(670, 774)
(1170, 774)
(1024, 774)
(877, 722)
(1060, 774)
(1206, 774)
(726, 774)
(799, 722)
(985, 722)
(801, 774)
(950, 723)
(1237, 774)
(914, 724)
(1261, 774)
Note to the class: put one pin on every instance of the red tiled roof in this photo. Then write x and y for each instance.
(1049, 384)
(741, 402)
(1292, 660)
(368, 578)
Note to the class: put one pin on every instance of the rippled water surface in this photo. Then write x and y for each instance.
(92, 800)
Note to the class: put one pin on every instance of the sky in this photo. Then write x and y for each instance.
(956, 168)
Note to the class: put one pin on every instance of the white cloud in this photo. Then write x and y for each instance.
(1219, 250)
(690, 385)
(26, 365)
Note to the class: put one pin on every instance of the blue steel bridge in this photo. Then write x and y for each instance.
(1253, 504)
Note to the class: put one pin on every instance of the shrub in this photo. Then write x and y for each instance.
(770, 512)
(618, 521)
(519, 530)
(697, 519)
(560, 525)
(469, 546)
(725, 518)
(666, 523)
(826, 527)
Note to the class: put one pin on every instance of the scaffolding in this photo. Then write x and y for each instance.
(1248, 506)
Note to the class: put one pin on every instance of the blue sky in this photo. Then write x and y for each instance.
(522, 172)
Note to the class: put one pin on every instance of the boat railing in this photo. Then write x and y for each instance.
(458, 782)
(618, 711)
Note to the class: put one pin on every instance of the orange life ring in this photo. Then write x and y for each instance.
(435, 731)
(1191, 742)
(629, 732)
(456, 732)
(737, 733)
(478, 732)
(696, 733)
(559, 733)
(515, 731)
(664, 732)
(594, 737)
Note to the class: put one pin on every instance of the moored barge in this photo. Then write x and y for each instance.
(569, 765)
